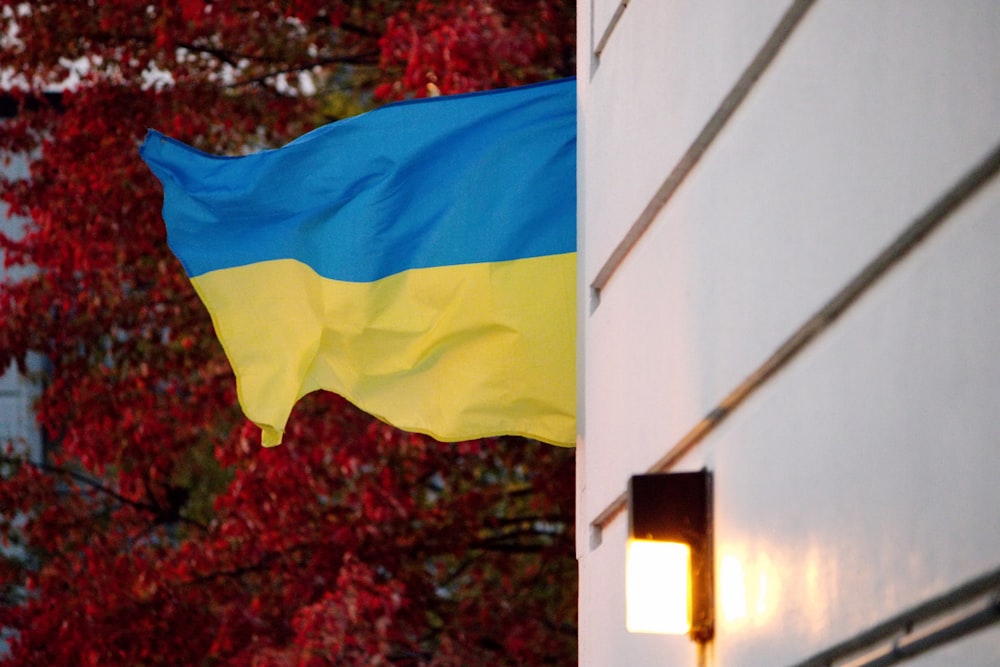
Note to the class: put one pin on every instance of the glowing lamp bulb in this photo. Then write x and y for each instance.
(658, 587)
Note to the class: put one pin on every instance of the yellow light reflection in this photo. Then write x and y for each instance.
(733, 590)
(657, 587)
(747, 588)
(762, 594)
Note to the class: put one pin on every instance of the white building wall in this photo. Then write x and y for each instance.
(18, 393)
(857, 458)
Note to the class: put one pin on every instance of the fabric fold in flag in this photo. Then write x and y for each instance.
(419, 260)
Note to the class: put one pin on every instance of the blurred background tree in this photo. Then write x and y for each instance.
(155, 530)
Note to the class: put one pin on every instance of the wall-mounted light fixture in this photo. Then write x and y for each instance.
(669, 570)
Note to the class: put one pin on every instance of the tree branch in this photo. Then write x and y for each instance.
(158, 512)
(364, 58)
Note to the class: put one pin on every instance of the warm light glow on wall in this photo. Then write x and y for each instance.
(658, 587)
(747, 586)
(732, 589)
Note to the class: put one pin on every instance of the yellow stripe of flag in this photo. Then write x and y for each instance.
(456, 352)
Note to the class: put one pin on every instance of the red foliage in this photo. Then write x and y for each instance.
(156, 531)
(456, 46)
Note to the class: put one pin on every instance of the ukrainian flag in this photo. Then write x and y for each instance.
(418, 260)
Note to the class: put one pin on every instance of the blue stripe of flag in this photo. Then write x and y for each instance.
(371, 196)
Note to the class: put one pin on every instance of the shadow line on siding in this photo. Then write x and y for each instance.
(730, 103)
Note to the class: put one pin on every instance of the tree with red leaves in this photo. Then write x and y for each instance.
(155, 530)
